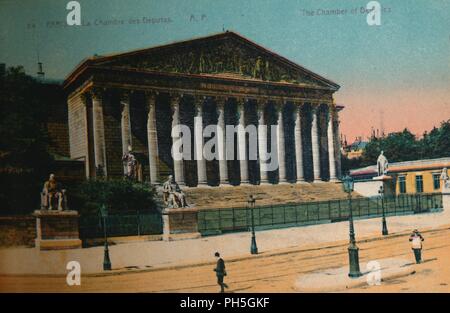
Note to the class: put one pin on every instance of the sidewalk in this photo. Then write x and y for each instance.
(157, 254)
(336, 279)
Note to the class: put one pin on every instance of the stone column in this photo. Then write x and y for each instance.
(242, 143)
(125, 125)
(315, 144)
(221, 141)
(198, 142)
(298, 143)
(330, 135)
(262, 142)
(178, 167)
(152, 138)
(338, 143)
(99, 133)
(280, 145)
(87, 110)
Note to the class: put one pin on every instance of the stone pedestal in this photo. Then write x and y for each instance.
(387, 183)
(180, 224)
(370, 187)
(56, 230)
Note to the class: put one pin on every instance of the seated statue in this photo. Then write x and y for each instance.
(53, 196)
(173, 196)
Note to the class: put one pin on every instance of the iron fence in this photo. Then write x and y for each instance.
(214, 221)
(128, 223)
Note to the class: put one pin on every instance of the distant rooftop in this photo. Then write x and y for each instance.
(358, 145)
(415, 165)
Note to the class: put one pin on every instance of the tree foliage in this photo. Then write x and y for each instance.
(24, 157)
(116, 195)
(404, 146)
(400, 146)
(436, 144)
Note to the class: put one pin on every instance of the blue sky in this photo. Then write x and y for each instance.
(409, 51)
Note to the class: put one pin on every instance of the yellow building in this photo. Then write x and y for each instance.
(354, 154)
(419, 176)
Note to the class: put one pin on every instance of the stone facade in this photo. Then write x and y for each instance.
(57, 128)
(136, 98)
(17, 231)
(78, 135)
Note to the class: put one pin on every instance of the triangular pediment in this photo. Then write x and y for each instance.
(224, 55)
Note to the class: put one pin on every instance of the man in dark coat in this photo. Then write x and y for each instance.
(220, 272)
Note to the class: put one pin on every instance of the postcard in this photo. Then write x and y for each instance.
(225, 147)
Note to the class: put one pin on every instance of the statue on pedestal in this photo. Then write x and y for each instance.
(173, 196)
(445, 179)
(131, 164)
(51, 193)
(382, 165)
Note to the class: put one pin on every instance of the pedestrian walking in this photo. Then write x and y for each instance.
(220, 272)
(416, 243)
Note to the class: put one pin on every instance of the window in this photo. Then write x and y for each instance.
(402, 184)
(436, 181)
(419, 183)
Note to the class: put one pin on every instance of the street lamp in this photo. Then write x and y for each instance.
(106, 260)
(347, 184)
(384, 230)
(251, 204)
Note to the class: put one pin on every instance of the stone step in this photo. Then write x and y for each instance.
(226, 197)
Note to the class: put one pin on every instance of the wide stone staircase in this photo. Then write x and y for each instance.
(236, 196)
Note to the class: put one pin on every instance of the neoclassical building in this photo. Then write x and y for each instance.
(135, 98)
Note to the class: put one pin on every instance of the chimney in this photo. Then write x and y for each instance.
(40, 72)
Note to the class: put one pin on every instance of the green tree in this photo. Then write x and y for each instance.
(399, 146)
(436, 144)
(24, 160)
(404, 146)
(117, 195)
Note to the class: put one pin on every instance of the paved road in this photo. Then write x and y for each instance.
(267, 273)
(153, 254)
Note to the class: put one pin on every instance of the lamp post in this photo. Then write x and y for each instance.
(384, 230)
(106, 260)
(353, 256)
(251, 204)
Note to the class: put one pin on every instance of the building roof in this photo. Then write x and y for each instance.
(396, 167)
(358, 145)
(100, 60)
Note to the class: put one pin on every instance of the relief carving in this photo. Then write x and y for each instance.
(219, 57)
